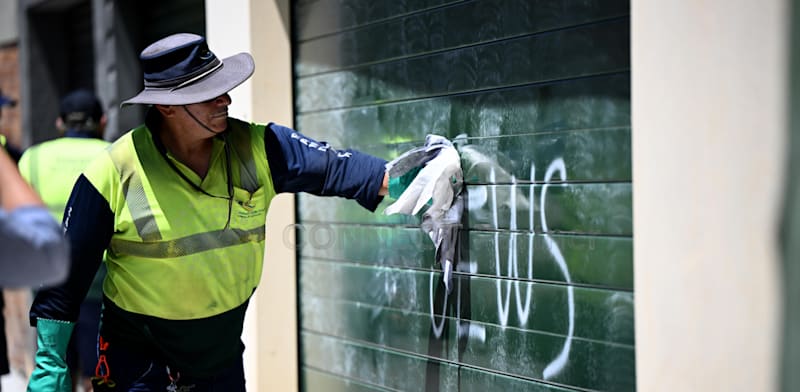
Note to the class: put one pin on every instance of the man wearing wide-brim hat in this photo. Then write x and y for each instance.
(179, 204)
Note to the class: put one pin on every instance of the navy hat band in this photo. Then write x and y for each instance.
(180, 80)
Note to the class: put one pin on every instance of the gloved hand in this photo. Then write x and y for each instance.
(51, 372)
(398, 185)
(403, 169)
(439, 179)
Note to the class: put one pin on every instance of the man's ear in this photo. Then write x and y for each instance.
(101, 125)
(60, 125)
(166, 110)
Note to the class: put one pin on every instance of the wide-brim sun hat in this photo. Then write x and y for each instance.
(181, 70)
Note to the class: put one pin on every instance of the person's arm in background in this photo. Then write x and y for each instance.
(34, 249)
(14, 190)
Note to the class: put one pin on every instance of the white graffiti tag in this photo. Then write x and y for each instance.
(504, 286)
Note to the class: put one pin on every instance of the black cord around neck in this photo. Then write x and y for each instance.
(163, 150)
(206, 127)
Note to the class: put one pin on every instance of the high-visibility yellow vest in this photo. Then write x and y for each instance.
(53, 166)
(178, 253)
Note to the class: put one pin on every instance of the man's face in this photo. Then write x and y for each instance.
(212, 113)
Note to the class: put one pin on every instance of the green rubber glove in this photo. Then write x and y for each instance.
(398, 185)
(51, 372)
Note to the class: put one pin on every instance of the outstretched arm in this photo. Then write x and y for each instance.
(301, 164)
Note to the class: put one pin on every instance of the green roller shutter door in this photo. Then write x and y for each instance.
(543, 294)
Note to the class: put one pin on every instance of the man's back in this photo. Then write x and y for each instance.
(53, 166)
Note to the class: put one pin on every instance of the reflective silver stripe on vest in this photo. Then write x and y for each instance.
(188, 245)
(135, 196)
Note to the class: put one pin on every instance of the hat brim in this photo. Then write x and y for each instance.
(235, 70)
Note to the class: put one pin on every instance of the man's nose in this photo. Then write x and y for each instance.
(223, 100)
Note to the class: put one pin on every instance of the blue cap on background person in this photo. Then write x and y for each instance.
(81, 110)
(6, 101)
(13, 151)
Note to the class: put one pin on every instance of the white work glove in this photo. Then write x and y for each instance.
(439, 179)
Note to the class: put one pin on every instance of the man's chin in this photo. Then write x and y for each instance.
(220, 124)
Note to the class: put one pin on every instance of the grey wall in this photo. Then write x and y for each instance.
(700, 235)
(56, 56)
(8, 22)
(124, 28)
(543, 298)
(790, 378)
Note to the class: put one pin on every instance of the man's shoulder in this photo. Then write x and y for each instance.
(66, 145)
(236, 123)
(42, 145)
(61, 141)
(88, 142)
(239, 128)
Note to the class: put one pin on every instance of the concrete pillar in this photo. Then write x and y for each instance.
(262, 28)
(709, 109)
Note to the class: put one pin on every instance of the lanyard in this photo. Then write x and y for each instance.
(163, 150)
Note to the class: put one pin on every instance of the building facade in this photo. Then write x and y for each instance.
(624, 184)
